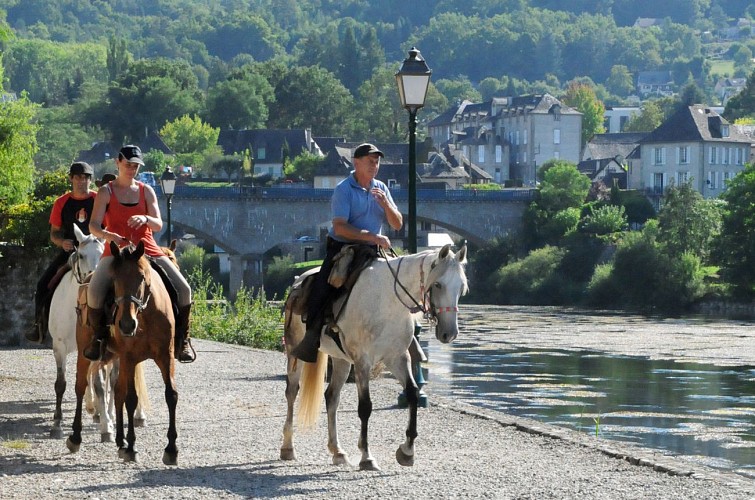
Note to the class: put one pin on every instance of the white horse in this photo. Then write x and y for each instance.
(62, 327)
(376, 325)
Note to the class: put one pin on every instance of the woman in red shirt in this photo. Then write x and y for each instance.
(131, 212)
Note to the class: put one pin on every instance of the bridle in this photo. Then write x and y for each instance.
(141, 304)
(76, 267)
(427, 307)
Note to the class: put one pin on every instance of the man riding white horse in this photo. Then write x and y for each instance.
(359, 206)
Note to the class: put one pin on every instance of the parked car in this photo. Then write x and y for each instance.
(147, 178)
(306, 238)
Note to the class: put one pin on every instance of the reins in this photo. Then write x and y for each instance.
(429, 314)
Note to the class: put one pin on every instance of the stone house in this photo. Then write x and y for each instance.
(695, 145)
(651, 83)
(604, 158)
(269, 147)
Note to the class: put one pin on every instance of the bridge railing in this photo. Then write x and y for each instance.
(298, 193)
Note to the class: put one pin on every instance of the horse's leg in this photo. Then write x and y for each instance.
(364, 409)
(140, 417)
(293, 375)
(125, 379)
(115, 370)
(82, 367)
(100, 388)
(340, 373)
(401, 369)
(60, 388)
(167, 365)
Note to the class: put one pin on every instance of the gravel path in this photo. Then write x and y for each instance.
(230, 415)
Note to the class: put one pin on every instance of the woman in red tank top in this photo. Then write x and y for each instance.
(132, 214)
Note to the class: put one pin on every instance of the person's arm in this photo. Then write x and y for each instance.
(392, 214)
(56, 236)
(346, 231)
(152, 218)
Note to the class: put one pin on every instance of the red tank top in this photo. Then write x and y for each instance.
(117, 215)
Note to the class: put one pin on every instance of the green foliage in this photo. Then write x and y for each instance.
(248, 320)
(742, 105)
(189, 134)
(491, 186)
(280, 275)
(582, 98)
(602, 290)
(484, 262)
(241, 102)
(533, 280)
(605, 221)
(18, 145)
(192, 259)
(563, 186)
(649, 118)
(304, 166)
(688, 222)
(735, 248)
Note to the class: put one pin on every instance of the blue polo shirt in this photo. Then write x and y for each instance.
(354, 203)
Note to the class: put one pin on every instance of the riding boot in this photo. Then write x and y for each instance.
(38, 330)
(96, 321)
(307, 349)
(184, 352)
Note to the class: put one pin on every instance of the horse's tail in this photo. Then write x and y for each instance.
(311, 387)
(141, 387)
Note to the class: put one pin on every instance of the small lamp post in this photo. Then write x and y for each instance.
(168, 183)
(413, 79)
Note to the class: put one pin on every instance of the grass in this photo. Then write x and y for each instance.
(722, 67)
(16, 444)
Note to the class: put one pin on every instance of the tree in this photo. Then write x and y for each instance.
(688, 223)
(648, 119)
(743, 104)
(735, 248)
(18, 144)
(191, 139)
(312, 97)
(620, 82)
(458, 89)
(151, 93)
(304, 166)
(118, 58)
(582, 98)
(240, 103)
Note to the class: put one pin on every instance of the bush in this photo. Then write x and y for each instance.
(602, 290)
(530, 280)
(249, 320)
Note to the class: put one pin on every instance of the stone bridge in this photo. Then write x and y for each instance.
(247, 222)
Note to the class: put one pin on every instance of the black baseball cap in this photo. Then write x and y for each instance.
(81, 167)
(132, 154)
(367, 149)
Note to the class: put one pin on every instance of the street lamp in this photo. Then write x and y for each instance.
(413, 78)
(168, 183)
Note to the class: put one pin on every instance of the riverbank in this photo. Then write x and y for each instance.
(230, 415)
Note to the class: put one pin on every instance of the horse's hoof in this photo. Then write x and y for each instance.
(170, 458)
(140, 422)
(72, 447)
(96, 419)
(126, 455)
(340, 459)
(403, 458)
(288, 454)
(368, 465)
(107, 437)
(56, 433)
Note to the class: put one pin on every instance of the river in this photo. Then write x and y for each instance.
(685, 386)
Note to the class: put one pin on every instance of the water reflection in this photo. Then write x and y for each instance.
(701, 412)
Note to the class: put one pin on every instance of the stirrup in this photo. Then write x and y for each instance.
(96, 344)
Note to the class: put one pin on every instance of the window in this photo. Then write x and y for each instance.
(724, 131)
(556, 155)
(659, 156)
(681, 178)
(325, 183)
(498, 154)
(516, 138)
(725, 156)
(481, 154)
(556, 136)
(391, 183)
(683, 155)
(524, 136)
(524, 157)
(261, 154)
(713, 155)
(465, 150)
(658, 183)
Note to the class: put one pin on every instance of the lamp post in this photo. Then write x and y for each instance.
(413, 78)
(168, 183)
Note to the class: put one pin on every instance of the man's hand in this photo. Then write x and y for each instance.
(68, 245)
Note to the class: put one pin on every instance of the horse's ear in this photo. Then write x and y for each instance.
(114, 250)
(462, 255)
(139, 250)
(444, 251)
(80, 236)
(173, 245)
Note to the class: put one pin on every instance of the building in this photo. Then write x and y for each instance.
(509, 137)
(269, 148)
(655, 83)
(695, 145)
(616, 118)
(604, 158)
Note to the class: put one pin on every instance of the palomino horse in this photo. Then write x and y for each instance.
(375, 325)
(143, 328)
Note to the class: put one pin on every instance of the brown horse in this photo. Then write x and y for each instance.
(143, 328)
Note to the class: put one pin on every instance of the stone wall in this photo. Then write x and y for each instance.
(18, 277)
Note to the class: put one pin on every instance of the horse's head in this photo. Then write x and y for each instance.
(446, 282)
(87, 254)
(131, 281)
